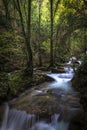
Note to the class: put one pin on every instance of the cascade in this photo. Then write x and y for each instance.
(20, 120)
(17, 120)
(62, 80)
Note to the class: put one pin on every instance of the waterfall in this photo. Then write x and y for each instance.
(17, 120)
(61, 87)
(42, 126)
(61, 81)
(20, 120)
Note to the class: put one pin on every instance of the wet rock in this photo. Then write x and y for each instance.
(45, 102)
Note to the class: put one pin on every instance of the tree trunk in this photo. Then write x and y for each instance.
(7, 13)
(51, 37)
(30, 63)
(39, 24)
(27, 37)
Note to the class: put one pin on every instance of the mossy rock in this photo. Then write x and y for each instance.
(43, 102)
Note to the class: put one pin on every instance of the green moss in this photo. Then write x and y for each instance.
(11, 53)
(14, 82)
(11, 60)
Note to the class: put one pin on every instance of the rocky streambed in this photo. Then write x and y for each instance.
(45, 102)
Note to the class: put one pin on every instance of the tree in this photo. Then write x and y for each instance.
(72, 18)
(26, 34)
(7, 12)
(51, 36)
(39, 28)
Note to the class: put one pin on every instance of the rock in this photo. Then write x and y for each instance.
(47, 102)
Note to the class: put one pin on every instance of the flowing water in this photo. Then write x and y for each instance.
(19, 120)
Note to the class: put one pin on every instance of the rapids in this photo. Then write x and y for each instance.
(20, 120)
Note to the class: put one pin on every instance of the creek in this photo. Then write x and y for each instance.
(56, 100)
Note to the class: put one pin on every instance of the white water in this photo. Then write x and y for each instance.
(62, 80)
(17, 120)
(20, 120)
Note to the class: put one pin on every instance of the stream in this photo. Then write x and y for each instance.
(56, 99)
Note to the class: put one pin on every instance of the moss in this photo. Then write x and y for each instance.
(14, 82)
(11, 59)
(10, 48)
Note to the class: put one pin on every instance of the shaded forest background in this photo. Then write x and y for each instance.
(38, 34)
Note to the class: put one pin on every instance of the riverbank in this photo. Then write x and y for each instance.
(79, 82)
(47, 100)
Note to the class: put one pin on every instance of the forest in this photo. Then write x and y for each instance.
(40, 38)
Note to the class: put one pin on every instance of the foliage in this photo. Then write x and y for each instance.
(69, 37)
(11, 59)
(9, 50)
(14, 82)
(46, 46)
